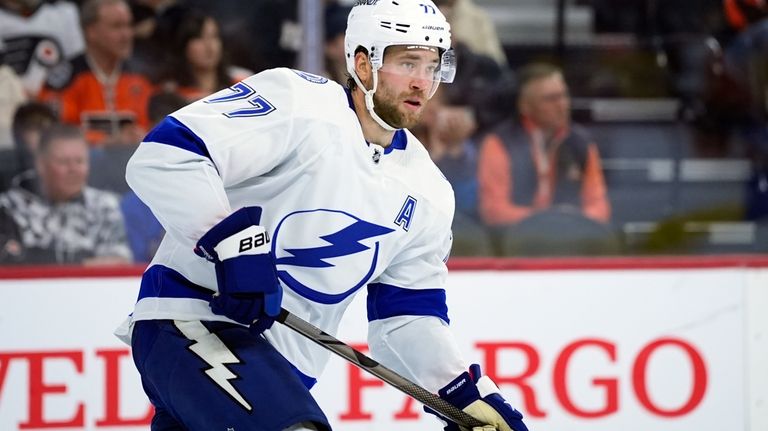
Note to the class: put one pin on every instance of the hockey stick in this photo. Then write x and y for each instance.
(364, 362)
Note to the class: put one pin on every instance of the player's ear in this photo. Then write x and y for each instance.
(363, 67)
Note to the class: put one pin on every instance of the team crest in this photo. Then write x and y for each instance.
(326, 255)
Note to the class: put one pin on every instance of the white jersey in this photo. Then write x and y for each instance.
(342, 214)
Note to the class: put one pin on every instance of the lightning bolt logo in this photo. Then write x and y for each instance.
(214, 352)
(336, 266)
(342, 243)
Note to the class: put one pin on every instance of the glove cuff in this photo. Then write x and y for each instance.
(229, 226)
(467, 387)
(461, 391)
(486, 386)
(251, 240)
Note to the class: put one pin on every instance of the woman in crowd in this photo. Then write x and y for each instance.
(197, 65)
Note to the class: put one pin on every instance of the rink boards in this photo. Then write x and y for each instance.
(673, 348)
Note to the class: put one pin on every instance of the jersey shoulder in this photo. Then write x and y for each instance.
(305, 87)
(273, 95)
(317, 97)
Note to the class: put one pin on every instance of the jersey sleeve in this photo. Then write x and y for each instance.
(408, 317)
(420, 348)
(187, 162)
(413, 283)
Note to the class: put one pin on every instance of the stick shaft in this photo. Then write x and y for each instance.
(364, 362)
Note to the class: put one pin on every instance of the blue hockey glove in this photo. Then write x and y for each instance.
(249, 290)
(479, 397)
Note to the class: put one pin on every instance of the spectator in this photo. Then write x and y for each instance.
(746, 69)
(163, 104)
(11, 96)
(275, 22)
(485, 86)
(741, 14)
(448, 127)
(756, 199)
(143, 230)
(472, 26)
(108, 166)
(197, 67)
(108, 162)
(29, 122)
(39, 35)
(145, 14)
(99, 88)
(335, 25)
(542, 162)
(148, 42)
(458, 116)
(745, 53)
(58, 218)
(10, 240)
(452, 124)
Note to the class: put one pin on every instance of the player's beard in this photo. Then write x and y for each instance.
(387, 107)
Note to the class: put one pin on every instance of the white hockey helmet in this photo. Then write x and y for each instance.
(378, 24)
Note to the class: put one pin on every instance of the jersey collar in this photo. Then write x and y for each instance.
(399, 141)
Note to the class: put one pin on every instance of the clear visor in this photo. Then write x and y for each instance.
(416, 63)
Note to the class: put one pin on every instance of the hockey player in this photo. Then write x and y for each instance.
(289, 190)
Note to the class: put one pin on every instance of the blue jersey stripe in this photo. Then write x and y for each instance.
(309, 382)
(173, 132)
(399, 142)
(162, 282)
(385, 301)
(349, 99)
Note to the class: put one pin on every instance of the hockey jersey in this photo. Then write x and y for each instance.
(342, 214)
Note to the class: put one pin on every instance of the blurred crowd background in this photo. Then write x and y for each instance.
(573, 128)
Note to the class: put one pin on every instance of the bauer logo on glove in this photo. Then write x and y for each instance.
(255, 241)
(478, 396)
(249, 290)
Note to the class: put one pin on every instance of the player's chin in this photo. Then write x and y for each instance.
(410, 120)
(411, 117)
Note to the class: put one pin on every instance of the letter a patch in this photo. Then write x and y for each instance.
(405, 216)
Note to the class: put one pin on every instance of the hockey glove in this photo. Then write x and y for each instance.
(479, 397)
(249, 290)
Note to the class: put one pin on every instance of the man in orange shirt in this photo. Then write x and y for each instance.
(98, 89)
(542, 162)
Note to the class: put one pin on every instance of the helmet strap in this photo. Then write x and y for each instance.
(369, 99)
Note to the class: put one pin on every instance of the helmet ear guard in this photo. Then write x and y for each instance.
(376, 25)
